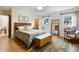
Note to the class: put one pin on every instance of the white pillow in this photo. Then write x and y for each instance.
(21, 27)
(29, 27)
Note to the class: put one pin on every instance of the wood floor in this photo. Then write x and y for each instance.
(13, 45)
(7, 45)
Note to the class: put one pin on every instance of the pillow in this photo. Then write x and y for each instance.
(21, 27)
(29, 27)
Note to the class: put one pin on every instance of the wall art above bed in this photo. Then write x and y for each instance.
(23, 18)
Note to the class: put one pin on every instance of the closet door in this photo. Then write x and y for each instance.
(36, 23)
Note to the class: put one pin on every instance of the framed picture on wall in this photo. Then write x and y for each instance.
(67, 20)
(46, 21)
(23, 18)
(26, 18)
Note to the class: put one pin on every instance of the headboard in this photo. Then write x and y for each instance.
(20, 24)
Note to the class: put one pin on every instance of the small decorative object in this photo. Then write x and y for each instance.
(23, 18)
(68, 20)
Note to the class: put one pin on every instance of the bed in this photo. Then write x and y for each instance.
(26, 35)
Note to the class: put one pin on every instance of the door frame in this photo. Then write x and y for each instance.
(9, 24)
(58, 25)
(9, 28)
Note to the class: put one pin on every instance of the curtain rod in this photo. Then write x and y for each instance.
(69, 12)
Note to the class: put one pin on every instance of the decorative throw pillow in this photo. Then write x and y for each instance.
(21, 27)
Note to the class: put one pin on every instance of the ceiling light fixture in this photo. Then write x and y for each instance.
(40, 8)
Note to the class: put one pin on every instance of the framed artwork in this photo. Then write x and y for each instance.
(26, 18)
(46, 20)
(23, 18)
(67, 20)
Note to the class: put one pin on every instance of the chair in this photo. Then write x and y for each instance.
(71, 35)
(3, 30)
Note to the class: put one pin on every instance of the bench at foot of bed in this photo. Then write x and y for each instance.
(42, 40)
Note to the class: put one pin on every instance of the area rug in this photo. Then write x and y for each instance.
(56, 45)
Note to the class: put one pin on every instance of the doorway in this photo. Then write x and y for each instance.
(9, 24)
(55, 27)
(4, 27)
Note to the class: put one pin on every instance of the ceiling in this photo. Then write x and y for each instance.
(34, 9)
